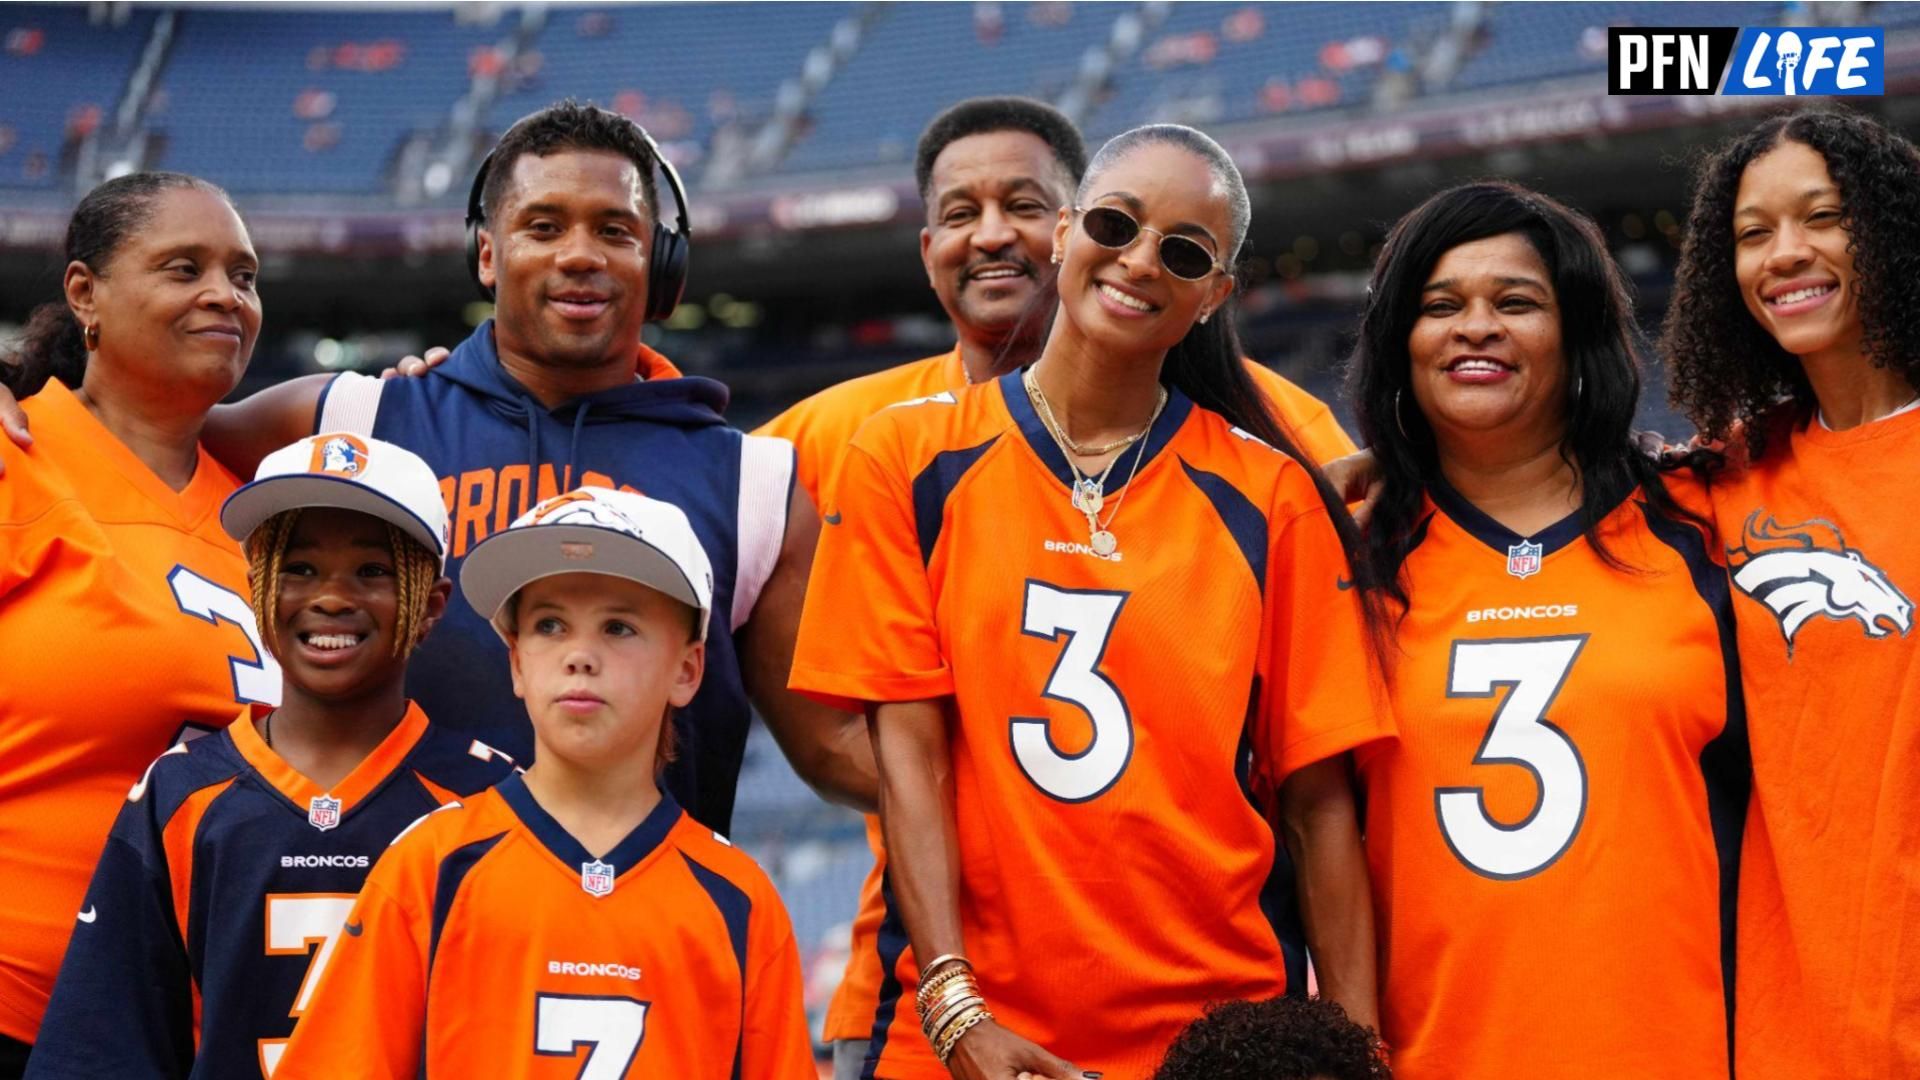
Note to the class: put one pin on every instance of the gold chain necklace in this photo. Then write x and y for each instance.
(1089, 493)
(1066, 441)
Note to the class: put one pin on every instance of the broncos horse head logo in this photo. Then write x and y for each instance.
(581, 508)
(1806, 570)
(338, 453)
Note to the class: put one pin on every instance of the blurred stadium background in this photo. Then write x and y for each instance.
(348, 133)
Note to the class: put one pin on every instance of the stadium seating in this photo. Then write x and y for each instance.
(1220, 63)
(916, 61)
(44, 51)
(318, 101)
(680, 69)
(1524, 42)
(239, 81)
(1892, 14)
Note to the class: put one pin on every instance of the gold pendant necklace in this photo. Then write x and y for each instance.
(1100, 535)
(1088, 493)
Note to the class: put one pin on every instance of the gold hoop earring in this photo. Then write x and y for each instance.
(91, 335)
(1397, 422)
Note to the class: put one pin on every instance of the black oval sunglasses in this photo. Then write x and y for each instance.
(1112, 227)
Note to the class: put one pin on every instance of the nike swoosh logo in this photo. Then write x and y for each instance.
(353, 928)
(1342, 584)
(833, 518)
(89, 915)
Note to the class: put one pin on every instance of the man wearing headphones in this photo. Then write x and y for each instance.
(556, 392)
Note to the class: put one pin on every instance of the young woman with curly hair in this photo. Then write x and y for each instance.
(1794, 333)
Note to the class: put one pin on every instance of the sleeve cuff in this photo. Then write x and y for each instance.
(852, 693)
(1322, 745)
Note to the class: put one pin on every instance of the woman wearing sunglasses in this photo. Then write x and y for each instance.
(1096, 614)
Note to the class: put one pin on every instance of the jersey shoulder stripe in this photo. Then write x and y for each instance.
(458, 762)
(454, 868)
(766, 490)
(934, 484)
(916, 429)
(183, 770)
(1244, 521)
(349, 402)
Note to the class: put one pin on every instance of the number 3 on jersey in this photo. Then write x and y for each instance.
(1086, 619)
(255, 678)
(1532, 670)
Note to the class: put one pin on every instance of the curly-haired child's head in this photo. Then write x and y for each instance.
(1283, 1038)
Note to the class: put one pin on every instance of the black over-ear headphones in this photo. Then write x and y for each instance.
(668, 255)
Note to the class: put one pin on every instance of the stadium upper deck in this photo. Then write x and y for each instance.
(366, 103)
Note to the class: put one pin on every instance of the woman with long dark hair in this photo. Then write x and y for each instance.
(1794, 333)
(1094, 613)
(1554, 838)
(123, 618)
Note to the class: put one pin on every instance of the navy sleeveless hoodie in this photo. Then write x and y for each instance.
(497, 451)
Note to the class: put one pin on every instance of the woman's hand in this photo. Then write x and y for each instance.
(13, 423)
(1357, 479)
(412, 367)
(991, 1052)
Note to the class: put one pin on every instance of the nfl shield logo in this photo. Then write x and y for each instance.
(596, 877)
(1523, 559)
(323, 812)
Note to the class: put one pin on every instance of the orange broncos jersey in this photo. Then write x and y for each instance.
(124, 626)
(1109, 772)
(820, 428)
(1825, 565)
(1555, 836)
(1315, 430)
(488, 943)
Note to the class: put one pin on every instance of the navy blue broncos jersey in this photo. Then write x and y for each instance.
(215, 907)
(498, 451)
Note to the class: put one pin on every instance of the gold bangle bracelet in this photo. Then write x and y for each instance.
(936, 1023)
(952, 1039)
(943, 1009)
(935, 991)
(937, 1018)
(944, 958)
(943, 1047)
(928, 989)
(953, 1029)
(958, 1017)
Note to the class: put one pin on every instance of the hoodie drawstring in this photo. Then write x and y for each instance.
(533, 453)
(573, 448)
